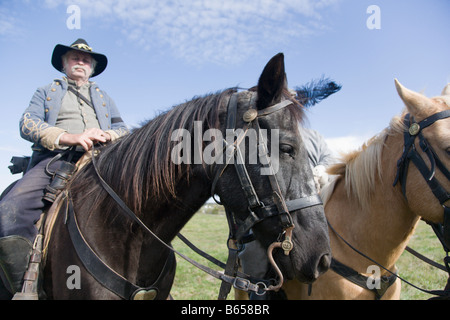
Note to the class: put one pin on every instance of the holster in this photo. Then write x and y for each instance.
(60, 178)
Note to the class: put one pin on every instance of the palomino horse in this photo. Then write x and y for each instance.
(377, 218)
(107, 243)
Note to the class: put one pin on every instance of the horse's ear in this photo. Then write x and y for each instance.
(446, 94)
(446, 91)
(271, 82)
(416, 103)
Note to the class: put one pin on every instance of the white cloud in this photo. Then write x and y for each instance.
(221, 31)
(7, 23)
(346, 144)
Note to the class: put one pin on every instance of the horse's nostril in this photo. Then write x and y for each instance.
(324, 263)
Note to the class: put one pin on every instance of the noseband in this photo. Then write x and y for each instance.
(410, 154)
(258, 211)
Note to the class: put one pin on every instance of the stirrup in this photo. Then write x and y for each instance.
(30, 279)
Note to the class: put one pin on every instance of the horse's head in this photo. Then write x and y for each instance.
(272, 198)
(428, 129)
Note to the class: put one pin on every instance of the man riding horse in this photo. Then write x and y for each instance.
(72, 111)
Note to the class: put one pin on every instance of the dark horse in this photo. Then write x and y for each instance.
(164, 194)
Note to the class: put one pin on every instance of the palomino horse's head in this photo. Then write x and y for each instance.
(275, 116)
(428, 129)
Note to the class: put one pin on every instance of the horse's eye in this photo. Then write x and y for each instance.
(286, 148)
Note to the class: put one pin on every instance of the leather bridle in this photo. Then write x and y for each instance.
(442, 230)
(258, 211)
(410, 154)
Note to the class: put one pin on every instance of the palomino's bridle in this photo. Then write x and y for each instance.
(238, 229)
(410, 154)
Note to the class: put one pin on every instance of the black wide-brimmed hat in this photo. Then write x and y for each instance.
(79, 45)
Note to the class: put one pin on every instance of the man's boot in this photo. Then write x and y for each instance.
(15, 254)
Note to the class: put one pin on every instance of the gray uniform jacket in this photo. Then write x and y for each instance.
(37, 123)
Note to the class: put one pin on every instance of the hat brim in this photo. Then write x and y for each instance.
(60, 50)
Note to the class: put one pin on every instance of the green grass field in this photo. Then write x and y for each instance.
(418, 272)
(210, 231)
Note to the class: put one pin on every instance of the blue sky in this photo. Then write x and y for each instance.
(162, 53)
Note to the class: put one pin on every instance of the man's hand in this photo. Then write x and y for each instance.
(85, 139)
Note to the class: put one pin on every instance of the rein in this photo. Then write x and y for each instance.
(110, 278)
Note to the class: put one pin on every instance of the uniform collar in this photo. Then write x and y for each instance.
(73, 83)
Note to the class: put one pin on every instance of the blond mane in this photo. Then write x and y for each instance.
(360, 168)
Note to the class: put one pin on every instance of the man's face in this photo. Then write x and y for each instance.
(78, 65)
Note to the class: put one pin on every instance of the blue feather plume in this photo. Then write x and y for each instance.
(315, 91)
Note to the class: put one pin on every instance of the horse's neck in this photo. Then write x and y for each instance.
(167, 219)
(174, 213)
(380, 230)
(140, 252)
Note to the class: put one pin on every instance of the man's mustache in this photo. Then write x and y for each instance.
(80, 67)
